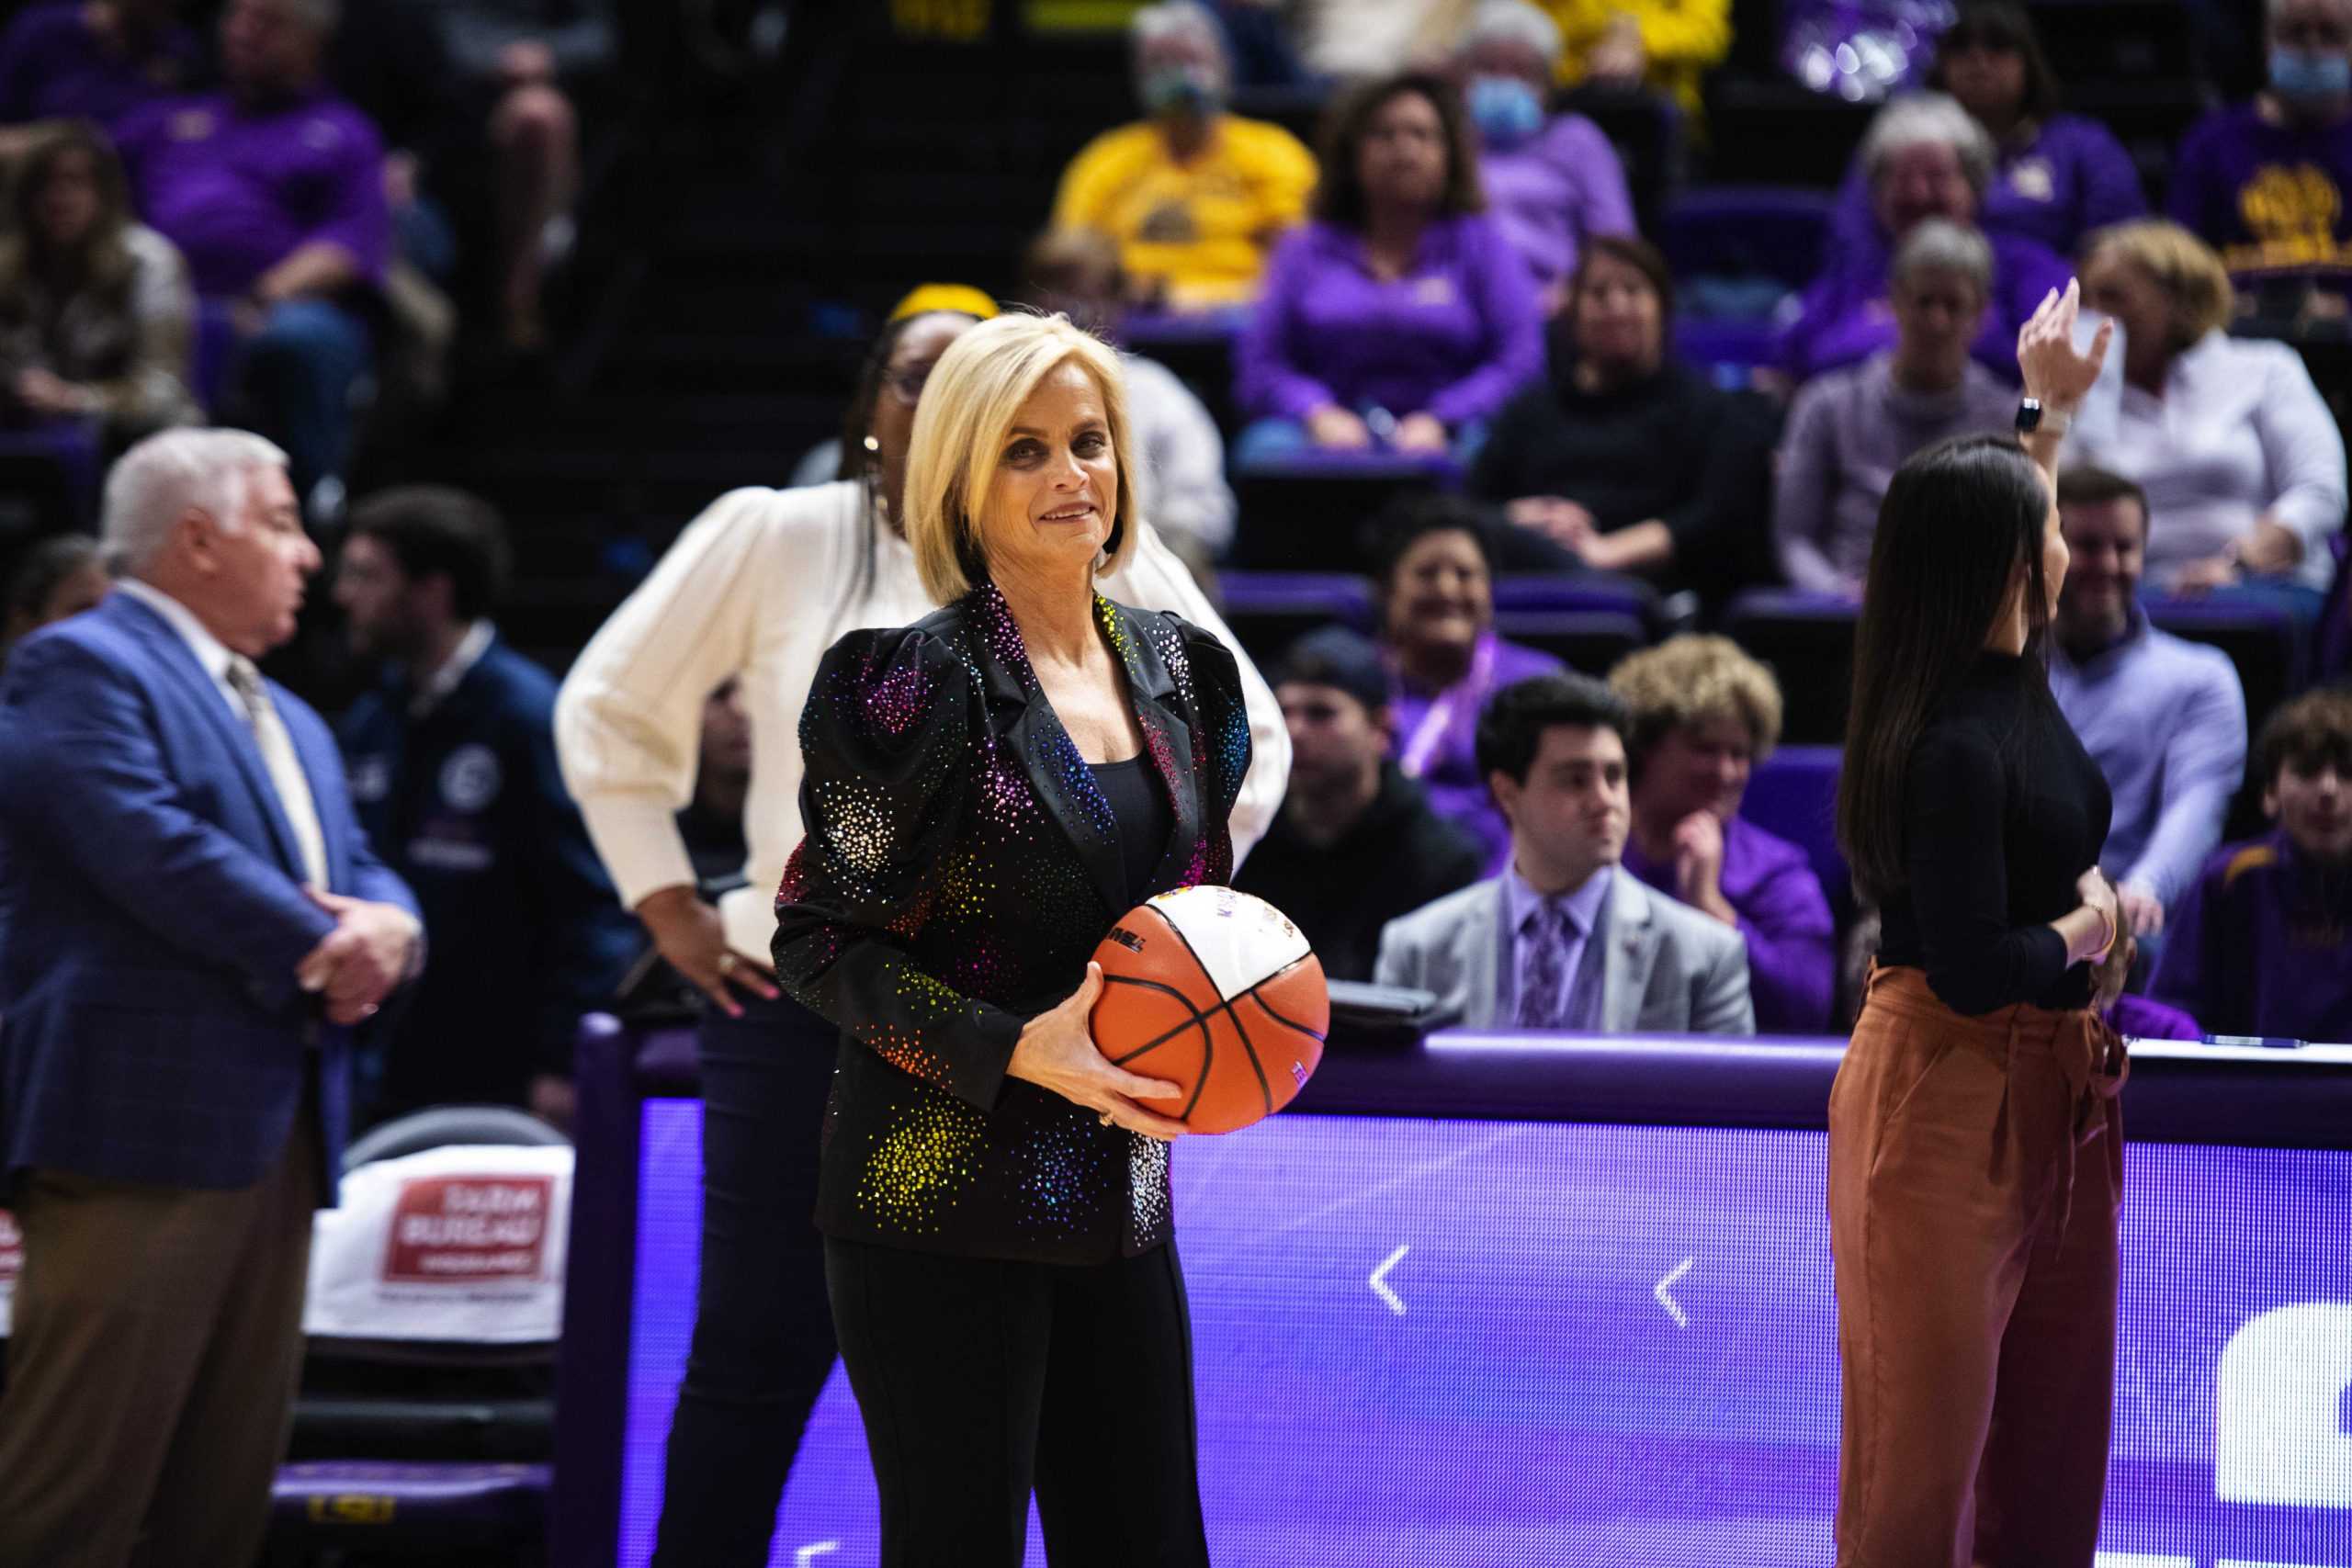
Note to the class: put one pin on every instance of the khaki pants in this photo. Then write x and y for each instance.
(1976, 1171)
(157, 1345)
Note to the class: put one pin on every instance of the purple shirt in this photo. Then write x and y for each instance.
(238, 191)
(1552, 190)
(2262, 945)
(1845, 316)
(1521, 904)
(53, 67)
(1437, 734)
(2270, 198)
(1792, 941)
(1455, 337)
(2072, 177)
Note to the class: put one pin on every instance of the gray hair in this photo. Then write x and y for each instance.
(1513, 21)
(1928, 119)
(1174, 19)
(1938, 244)
(162, 478)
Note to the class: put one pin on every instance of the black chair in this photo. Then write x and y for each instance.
(1310, 517)
(1808, 640)
(1589, 641)
(1269, 610)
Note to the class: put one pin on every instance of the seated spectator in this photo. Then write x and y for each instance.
(1435, 582)
(453, 772)
(1552, 179)
(1561, 939)
(2242, 462)
(1850, 429)
(525, 60)
(712, 823)
(1192, 196)
(62, 576)
(2165, 719)
(2263, 943)
(1400, 317)
(1356, 844)
(1180, 484)
(1923, 157)
(1621, 458)
(1701, 715)
(96, 311)
(274, 191)
(94, 60)
(1667, 45)
(2267, 182)
(2056, 176)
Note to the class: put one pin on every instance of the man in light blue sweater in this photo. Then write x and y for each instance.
(2164, 718)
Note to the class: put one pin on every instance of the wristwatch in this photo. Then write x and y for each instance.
(2033, 415)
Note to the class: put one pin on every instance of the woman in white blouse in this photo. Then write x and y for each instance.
(755, 590)
(2242, 461)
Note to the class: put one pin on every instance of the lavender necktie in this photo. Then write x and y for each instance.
(1543, 970)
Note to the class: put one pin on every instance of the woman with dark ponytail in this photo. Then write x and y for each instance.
(1975, 1142)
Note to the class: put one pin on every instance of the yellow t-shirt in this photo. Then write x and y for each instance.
(1203, 226)
(1684, 39)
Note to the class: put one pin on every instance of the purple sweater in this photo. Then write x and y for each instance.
(1552, 190)
(1845, 316)
(2262, 945)
(2270, 198)
(1437, 734)
(53, 67)
(2072, 177)
(1455, 337)
(1792, 941)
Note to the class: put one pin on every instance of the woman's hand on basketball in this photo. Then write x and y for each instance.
(1056, 1052)
(2057, 373)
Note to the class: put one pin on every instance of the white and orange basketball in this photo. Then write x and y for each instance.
(1216, 991)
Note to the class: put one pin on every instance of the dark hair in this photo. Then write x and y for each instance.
(1408, 519)
(2006, 29)
(1511, 730)
(45, 565)
(436, 531)
(2097, 487)
(1339, 658)
(2308, 734)
(1340, 196)
(105, 262)
(1960, 520)
(1639, 254)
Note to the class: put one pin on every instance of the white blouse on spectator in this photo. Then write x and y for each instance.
(2240, 433)
(757, 588)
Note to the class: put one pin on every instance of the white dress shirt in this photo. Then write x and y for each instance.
(2240, 432)
(758, 588)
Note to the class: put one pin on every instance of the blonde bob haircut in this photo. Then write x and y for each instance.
(1690, 679)
(968, 406)
(2178, 262)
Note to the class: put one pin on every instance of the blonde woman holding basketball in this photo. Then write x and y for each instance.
(985, 791)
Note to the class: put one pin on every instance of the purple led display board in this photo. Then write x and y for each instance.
(1472, 1344)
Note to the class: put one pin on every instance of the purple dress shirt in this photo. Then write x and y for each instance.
(1552, 190)
(1437, 734)
(1453, 337)
(238, 190)
(1523, 905)
(2262, 945)
(53, 67)
(2072, 177)
(1784, 915)
(2270, 198)
(1845, 317)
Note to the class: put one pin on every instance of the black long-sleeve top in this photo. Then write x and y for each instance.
(2002, 811)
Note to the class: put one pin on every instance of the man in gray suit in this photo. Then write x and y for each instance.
(1562, 940)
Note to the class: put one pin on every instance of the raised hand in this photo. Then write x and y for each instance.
(2057, 374)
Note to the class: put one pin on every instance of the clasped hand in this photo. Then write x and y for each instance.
(355, 966)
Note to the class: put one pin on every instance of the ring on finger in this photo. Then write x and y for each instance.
(1106, 1119)
(727, 963)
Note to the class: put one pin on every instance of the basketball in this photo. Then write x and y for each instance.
(1220, 993)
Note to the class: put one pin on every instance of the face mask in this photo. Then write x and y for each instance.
(1179, 89)
(2302, 77)
(1505, 109)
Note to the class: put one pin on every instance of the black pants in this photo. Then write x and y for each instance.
(978, 1379)
(764, 1336)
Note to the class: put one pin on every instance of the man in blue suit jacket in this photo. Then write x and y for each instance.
(190, 921)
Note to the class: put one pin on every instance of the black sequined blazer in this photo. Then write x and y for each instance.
(958, 869)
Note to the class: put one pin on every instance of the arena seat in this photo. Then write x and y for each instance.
(1269, 610)
(407, 1511)
(1793, 795)
(1597, 592)
(1589, 641)
(1808, 639)
(1737, 252)
(1309, 513)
